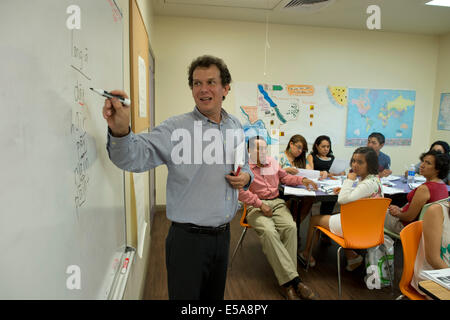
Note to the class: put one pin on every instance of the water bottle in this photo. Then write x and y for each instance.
(411, 173)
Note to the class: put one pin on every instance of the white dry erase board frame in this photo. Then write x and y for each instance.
(62, 222)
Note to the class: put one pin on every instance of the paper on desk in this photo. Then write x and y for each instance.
(390, 178)
(419, 178)
(327, 189)
(338, 166)
(387, 182)
(298, 191)
(390, 190)
(330, 182)
(414, 185)
(440, 276)
(310, 174)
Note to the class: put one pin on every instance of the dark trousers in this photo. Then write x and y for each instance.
(326, 207)
(196, 264)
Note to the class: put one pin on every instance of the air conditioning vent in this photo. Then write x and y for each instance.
(296, 3)
(306, 5)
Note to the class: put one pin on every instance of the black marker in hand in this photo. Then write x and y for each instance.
(106, 94)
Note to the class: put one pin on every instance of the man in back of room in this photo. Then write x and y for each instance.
(272, 220)
(376, 142)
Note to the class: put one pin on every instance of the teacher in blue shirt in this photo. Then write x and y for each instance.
(198, 149)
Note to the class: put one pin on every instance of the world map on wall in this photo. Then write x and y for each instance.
(390, 112)
(348, 115)
(444, 112)
(278, 111)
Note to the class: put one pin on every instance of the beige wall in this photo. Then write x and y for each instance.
(298, 54)
(147, 14)
(442, 86)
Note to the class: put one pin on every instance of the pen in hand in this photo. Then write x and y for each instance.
(106, 94)
(235, 174)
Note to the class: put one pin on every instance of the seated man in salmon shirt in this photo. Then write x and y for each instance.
(272, 220)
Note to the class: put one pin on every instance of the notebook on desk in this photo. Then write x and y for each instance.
(440, 276)
(298, 191)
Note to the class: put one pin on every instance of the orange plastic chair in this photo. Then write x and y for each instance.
(362, 227)
(243, 223)
(410, 237)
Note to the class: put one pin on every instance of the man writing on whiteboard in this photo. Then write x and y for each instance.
(202, 190)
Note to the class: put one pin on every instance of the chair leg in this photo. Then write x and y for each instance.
(400, 297)
(311, 248)
(391, 277)
(241, 239)
(297, 222)
(339, 271)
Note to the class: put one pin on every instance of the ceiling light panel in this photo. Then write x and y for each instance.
(443, 3)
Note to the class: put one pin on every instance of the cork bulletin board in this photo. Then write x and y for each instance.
(139, 68)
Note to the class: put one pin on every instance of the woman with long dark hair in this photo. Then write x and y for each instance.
(294, 156)
(364, 163)
(321, 157)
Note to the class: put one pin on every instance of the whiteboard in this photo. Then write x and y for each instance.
(62, 200)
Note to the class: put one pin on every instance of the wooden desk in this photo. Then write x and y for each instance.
(434, 290)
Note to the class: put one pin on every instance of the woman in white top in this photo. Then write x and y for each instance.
(364, 164)
(434, 246)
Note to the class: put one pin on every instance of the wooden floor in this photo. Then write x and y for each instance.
(251, 277)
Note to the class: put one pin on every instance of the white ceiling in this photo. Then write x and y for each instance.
(409, 16)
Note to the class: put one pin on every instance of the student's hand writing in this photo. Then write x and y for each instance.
(238, 182)
(266, 210)
(337, 190)
(291, 170)
(309, 184)
(117, 115)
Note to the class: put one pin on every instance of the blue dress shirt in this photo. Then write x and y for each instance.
(198, 154)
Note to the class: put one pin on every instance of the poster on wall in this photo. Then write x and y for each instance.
(444, 112)
(390, 112)
(278, 111)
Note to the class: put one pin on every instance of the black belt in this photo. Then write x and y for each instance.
(193, 228)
